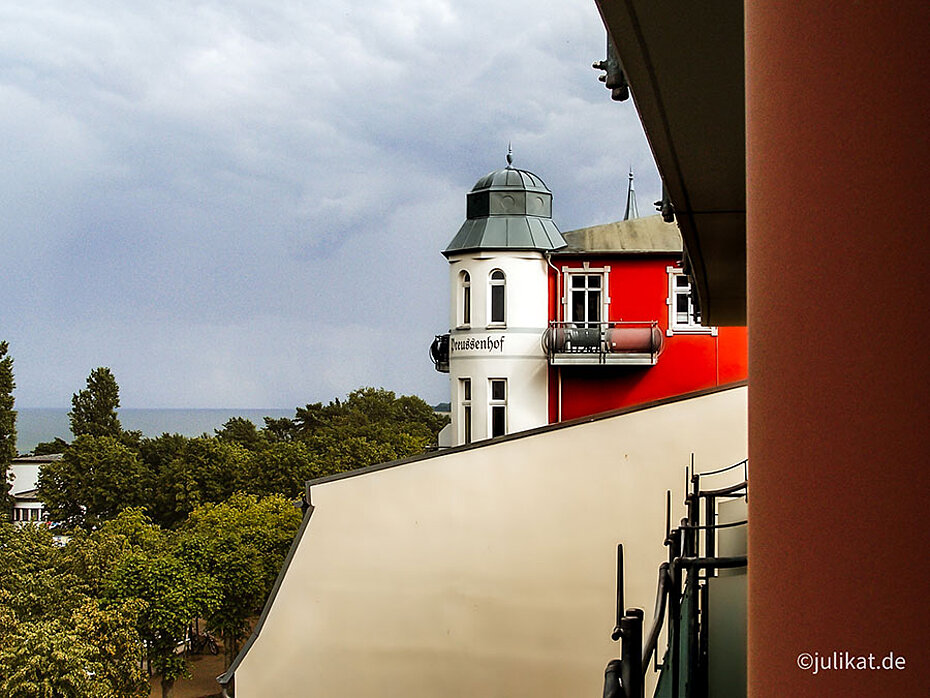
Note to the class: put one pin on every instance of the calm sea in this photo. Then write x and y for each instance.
(44, 424)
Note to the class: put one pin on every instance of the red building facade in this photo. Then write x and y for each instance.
(625, 282)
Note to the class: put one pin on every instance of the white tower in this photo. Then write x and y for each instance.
(499, 307)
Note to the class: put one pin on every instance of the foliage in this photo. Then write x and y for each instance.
(95, 655)
(7, 425)
(91, 557)
(240, 543)
(371, 426)
(205, 470)
(173, 594)
(45, 448)
(95, 479)
(93, 410)
(241, 431)
(282, 468)
(32, 587)
(54, 639)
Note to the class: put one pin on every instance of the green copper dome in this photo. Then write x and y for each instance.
(508, 209)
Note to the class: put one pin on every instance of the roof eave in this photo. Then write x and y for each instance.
(684, 64)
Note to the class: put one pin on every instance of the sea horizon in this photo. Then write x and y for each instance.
(40, 424)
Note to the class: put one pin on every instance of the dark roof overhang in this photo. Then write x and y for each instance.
(684, 64)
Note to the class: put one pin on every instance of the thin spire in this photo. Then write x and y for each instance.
(509, 155)
(631, 210)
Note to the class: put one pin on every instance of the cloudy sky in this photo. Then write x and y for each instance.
(242, 203)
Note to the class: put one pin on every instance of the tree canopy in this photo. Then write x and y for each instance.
(93, 410)
(96, 478)
(7, 425)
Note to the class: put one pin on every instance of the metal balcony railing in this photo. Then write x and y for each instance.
(683, 597)
(623, 343)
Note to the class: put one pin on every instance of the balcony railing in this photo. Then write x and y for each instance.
(613, 343)
(439, 353)
(706, 565)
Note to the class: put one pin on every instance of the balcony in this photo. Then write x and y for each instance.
(603, 343)
(439, 352)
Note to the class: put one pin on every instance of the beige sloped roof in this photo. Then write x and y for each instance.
(639, 235)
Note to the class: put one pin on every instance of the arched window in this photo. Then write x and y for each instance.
(465, 283)
(498, 286)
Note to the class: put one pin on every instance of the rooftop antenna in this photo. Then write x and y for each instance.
(509, 156)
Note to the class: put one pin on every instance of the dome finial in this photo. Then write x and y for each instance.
(509, 155)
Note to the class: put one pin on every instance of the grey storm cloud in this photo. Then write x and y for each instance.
(242, 203)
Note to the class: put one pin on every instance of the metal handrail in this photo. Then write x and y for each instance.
(710, 527)
(706, 473)
(723, 491)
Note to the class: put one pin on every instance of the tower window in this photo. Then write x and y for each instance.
(498, 287)
(498, 404)
(465, 391)
(466, 299)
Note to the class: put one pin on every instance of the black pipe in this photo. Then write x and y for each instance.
(631, 654)
(615, 634)
(612, 687)
(658, 617)
(723, 490)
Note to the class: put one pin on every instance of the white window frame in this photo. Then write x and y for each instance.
(674, 290)
(585, 270)
(466, 411)
(465, 300)
(492, 283)
(498, 404)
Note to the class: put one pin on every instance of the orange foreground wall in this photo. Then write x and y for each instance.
(837, 117)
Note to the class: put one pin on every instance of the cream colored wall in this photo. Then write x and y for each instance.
(485, 572)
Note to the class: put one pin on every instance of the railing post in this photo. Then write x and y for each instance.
(710, 533)
(674, 627)
(631, 654)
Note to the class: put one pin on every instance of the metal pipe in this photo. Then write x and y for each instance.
(724, 490)
(617, 631)
(710, 519)
(723, 470)
(631, 653)
(658, 617)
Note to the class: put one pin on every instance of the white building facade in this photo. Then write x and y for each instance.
(498, 282)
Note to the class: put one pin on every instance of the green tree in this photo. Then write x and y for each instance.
(207, 470)
(95, 653)
(282, 468)
(54, 639)
(45, 448)
(90, 557)
(174, 594)
(241, 543)
(280, 429)
(7, 427)
(93, 410)
(32, 586)
(370, 426)
(95, 479)
(241, 431)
